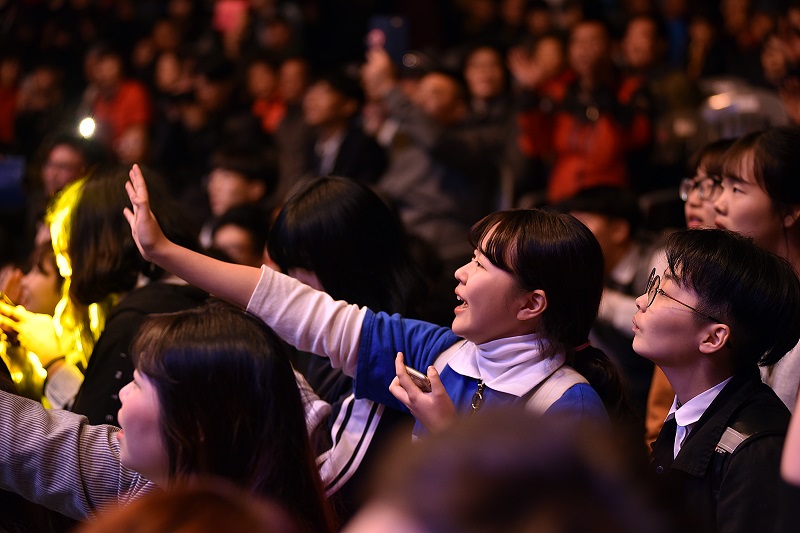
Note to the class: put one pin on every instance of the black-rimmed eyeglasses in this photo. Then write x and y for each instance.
(708, 187)
(654, 288)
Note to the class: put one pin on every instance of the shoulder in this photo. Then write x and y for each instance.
(762, 414)
(582, 401)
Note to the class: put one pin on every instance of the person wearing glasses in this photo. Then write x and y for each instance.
(699, 191)
(721, 308)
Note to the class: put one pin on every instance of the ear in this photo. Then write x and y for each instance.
(533, 306)
(791, 217)
(715, 336)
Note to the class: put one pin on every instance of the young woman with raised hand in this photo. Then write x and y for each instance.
(529, 297)
(213, 394)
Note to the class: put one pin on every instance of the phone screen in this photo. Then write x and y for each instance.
(389, 32)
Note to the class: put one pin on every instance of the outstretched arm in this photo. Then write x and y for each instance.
(231, 282)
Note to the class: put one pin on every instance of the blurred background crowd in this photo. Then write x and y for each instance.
(481, 104)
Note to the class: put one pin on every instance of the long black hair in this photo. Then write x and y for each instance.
(345, 234)
(230, 406)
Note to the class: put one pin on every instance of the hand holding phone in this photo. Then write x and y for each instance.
(6, 299)
(419, 379)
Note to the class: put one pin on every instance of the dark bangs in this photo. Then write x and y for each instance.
(502, 232)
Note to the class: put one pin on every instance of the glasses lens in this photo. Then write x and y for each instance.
(714, 189)
(687, 184)
(652, 287)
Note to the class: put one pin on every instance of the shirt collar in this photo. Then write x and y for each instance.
(690, 412)
(513, 365)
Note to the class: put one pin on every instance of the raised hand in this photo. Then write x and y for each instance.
(144, 226)
(435, 410)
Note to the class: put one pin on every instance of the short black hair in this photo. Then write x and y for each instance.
(255, 163)
(342, 83)
(612, 202)
(756, 293)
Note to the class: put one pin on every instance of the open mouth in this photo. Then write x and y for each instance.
(463, 304)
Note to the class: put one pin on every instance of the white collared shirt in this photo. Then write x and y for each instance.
(689, 413)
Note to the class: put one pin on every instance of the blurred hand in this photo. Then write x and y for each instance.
(34, 331)
(435, 409)
(144, 226)
(525, 70)
(377, 74)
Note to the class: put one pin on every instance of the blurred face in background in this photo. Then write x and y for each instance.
(640, 42)
(484, 74)
(41, 286)
(64, 165)
(589, 48)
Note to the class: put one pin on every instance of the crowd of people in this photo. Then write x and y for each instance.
(234, 233)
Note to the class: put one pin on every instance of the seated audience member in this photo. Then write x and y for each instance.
(240, 175)
(108, 290)
(116, 103)
(241, 233)
(759, 197)
(339, 146)
(722, 307)
(704, 185)
(337, 235)
(205, 506)
(40, 292)
(593, 124)
(508, 472)
(213, 395)
(614, 217)
(698, 193)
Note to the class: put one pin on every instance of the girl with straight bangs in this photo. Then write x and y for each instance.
(760, 199)
(511, 336)
(213, 395)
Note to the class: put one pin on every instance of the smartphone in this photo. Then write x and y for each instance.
(420, 379)
(389, 32)
(6, 299)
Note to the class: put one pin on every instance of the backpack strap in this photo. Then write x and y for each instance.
(731, 438)
(546, 393)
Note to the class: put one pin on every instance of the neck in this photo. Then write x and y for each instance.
(325, 133)
(690, 381)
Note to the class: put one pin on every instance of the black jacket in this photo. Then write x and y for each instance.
(747, 479)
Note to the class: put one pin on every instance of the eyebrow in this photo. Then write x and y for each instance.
(733, 177)
(669, 277)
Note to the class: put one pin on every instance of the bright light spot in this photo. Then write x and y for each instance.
(719, 101)
(86, 127)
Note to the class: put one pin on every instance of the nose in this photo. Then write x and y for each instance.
(721, 203)
(123, 392)
(641, 302)
(461, 273)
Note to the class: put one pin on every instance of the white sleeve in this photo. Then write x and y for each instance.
(308, 319)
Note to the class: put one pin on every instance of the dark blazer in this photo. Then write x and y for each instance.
(747, 479)
(360, 157)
